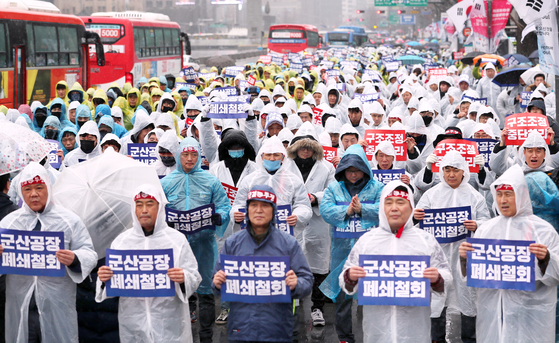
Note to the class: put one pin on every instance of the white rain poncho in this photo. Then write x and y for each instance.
(156, 319)
(459, 297)
(315, 240)
(192, 103)
(285, 184)
(55, 296)
(519, 316)
(397, 324)
(78, 155)
(142, 120)
(168, 141)
(387, 148)
(415, 124)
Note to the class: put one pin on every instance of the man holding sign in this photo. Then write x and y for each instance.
(396, 237)
(43, 308)
(260, 239)
(498, 318)
(170, 321)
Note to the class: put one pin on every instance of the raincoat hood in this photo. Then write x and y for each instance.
(148, 190)
(535, 140)
(167, 96)
(454, 159)
(232, 138)
(514, 177)
(271, 146)
(354, 156)
(189, 144)
(30, 172)
(192, 103)
(383, 221)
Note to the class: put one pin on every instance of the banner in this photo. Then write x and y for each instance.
(251, 80)
(525, 99)
(266, 59)
(481, 101)
(457, 55)
(143, 152)
(191, 221)
(204, 100)
(501, 264)
(308, 61)
(467, 149)
(394, 280)
(396, 137)
(140, 273)
(521, 124)
(385, 176)
(458, 13)
(369, 97)
(229, 91)
(255, 279)
(485, 148)
(478, 18)
(207, 76)
(447, 224)
(297, 67)
(500, 11)
(317, 116)
(54, 159)
(230, 191)
(189, 74)
(233, 71)
(353, 228)
(329, 153)
(437, 73)
(333, 72)
(548, 42)
(31, 252)
(230, 109)
(282, 213)
(190, 86)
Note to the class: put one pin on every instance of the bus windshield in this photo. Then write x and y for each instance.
(109, 33)
(287, 33)
(338, 37)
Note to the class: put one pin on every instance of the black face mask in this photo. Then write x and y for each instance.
(184, 102)
(87, 146)
(266, 102)
(56, 114)
(427, 120)
(291, 89)
(81, 122)
(40, 118)
(166, 108)
(51, 134)
(168, 161)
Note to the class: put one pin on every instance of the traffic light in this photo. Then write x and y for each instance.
(360, 11)
(401, 11)
(380, 12)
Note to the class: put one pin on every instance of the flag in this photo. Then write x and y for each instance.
(458, 13)
(532, 10)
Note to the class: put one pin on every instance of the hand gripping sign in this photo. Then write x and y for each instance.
(467, 149)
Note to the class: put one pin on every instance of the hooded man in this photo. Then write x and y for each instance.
(143, 124)
(165, 148)
(130, 106)
(454, 191)
(83, 114)
(42, 308)
(354, 196)
(158, 319)
(188, 187)
(498, 318)
(88, 144)
(40, 115)
(486, 88)
(58, 109)
(396, 235)
(61, 92)
(274, 321)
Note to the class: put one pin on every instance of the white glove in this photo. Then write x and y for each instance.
(430, 160)
(205, 110)
(480, 161)
(246, 108)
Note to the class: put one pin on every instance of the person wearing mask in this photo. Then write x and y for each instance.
(40, 115)
(166, 163)
(88, 144)
(262, 238)
(396, 235)
(72, 112)
(159, 319)
(317, 174)
(354, 195)
(42, 308)
(498, 309)
(188, 187)
(454, 191)
(143, 124)
(83, 114)
(51, 128)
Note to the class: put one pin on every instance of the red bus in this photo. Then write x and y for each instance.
(285, 38)
(136, 44)
(52, 47)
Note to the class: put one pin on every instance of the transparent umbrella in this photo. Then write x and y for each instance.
(19, 146)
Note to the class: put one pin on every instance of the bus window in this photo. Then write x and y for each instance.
(150, 42)
(30, 46)
(140, 42)
(312, 39)
(4, 56)
(68, 41)
(46, 45)
(168, 42)
(176, 42)
(159, 42)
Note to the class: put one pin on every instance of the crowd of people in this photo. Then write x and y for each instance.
(275, 156)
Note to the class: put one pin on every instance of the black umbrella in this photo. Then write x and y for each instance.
(469, 58)
(509, 76)
(219, 61)
(534, 54)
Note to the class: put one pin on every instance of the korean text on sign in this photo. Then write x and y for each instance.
(31, 252)
(396, 137)
(230, 109)
(330, 153)
(192, 221)
(353, 229)
(369, 97)
(230, 191)
(394, 280)
(54, 159)
(467, 149)
(481, 101)
(385, 176)
(140, 273)
(521, 124)
(501, 264)
(229, 91)
(317, 116)
(485, 148)
(143, 152)
(525, 99)
(282, 213)
(255, 279)
(447, 224)
(233, 71)
(189, 74)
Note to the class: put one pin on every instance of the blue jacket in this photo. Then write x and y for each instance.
(186, 191)
(334, 212)
(64, 122)
(266, 321)
(545, 197)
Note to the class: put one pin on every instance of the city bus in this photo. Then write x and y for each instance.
(39, 47)
(286, 38)
(137, 44)
(346, 36)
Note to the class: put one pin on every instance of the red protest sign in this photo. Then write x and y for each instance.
(231, 192)
(520, 125)
(457, 55)
(396, 137)
(251, 80)
(317, 116)
(438, 73)
(266, 59)
(329, 153)
(467, 149)
(189, 122)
